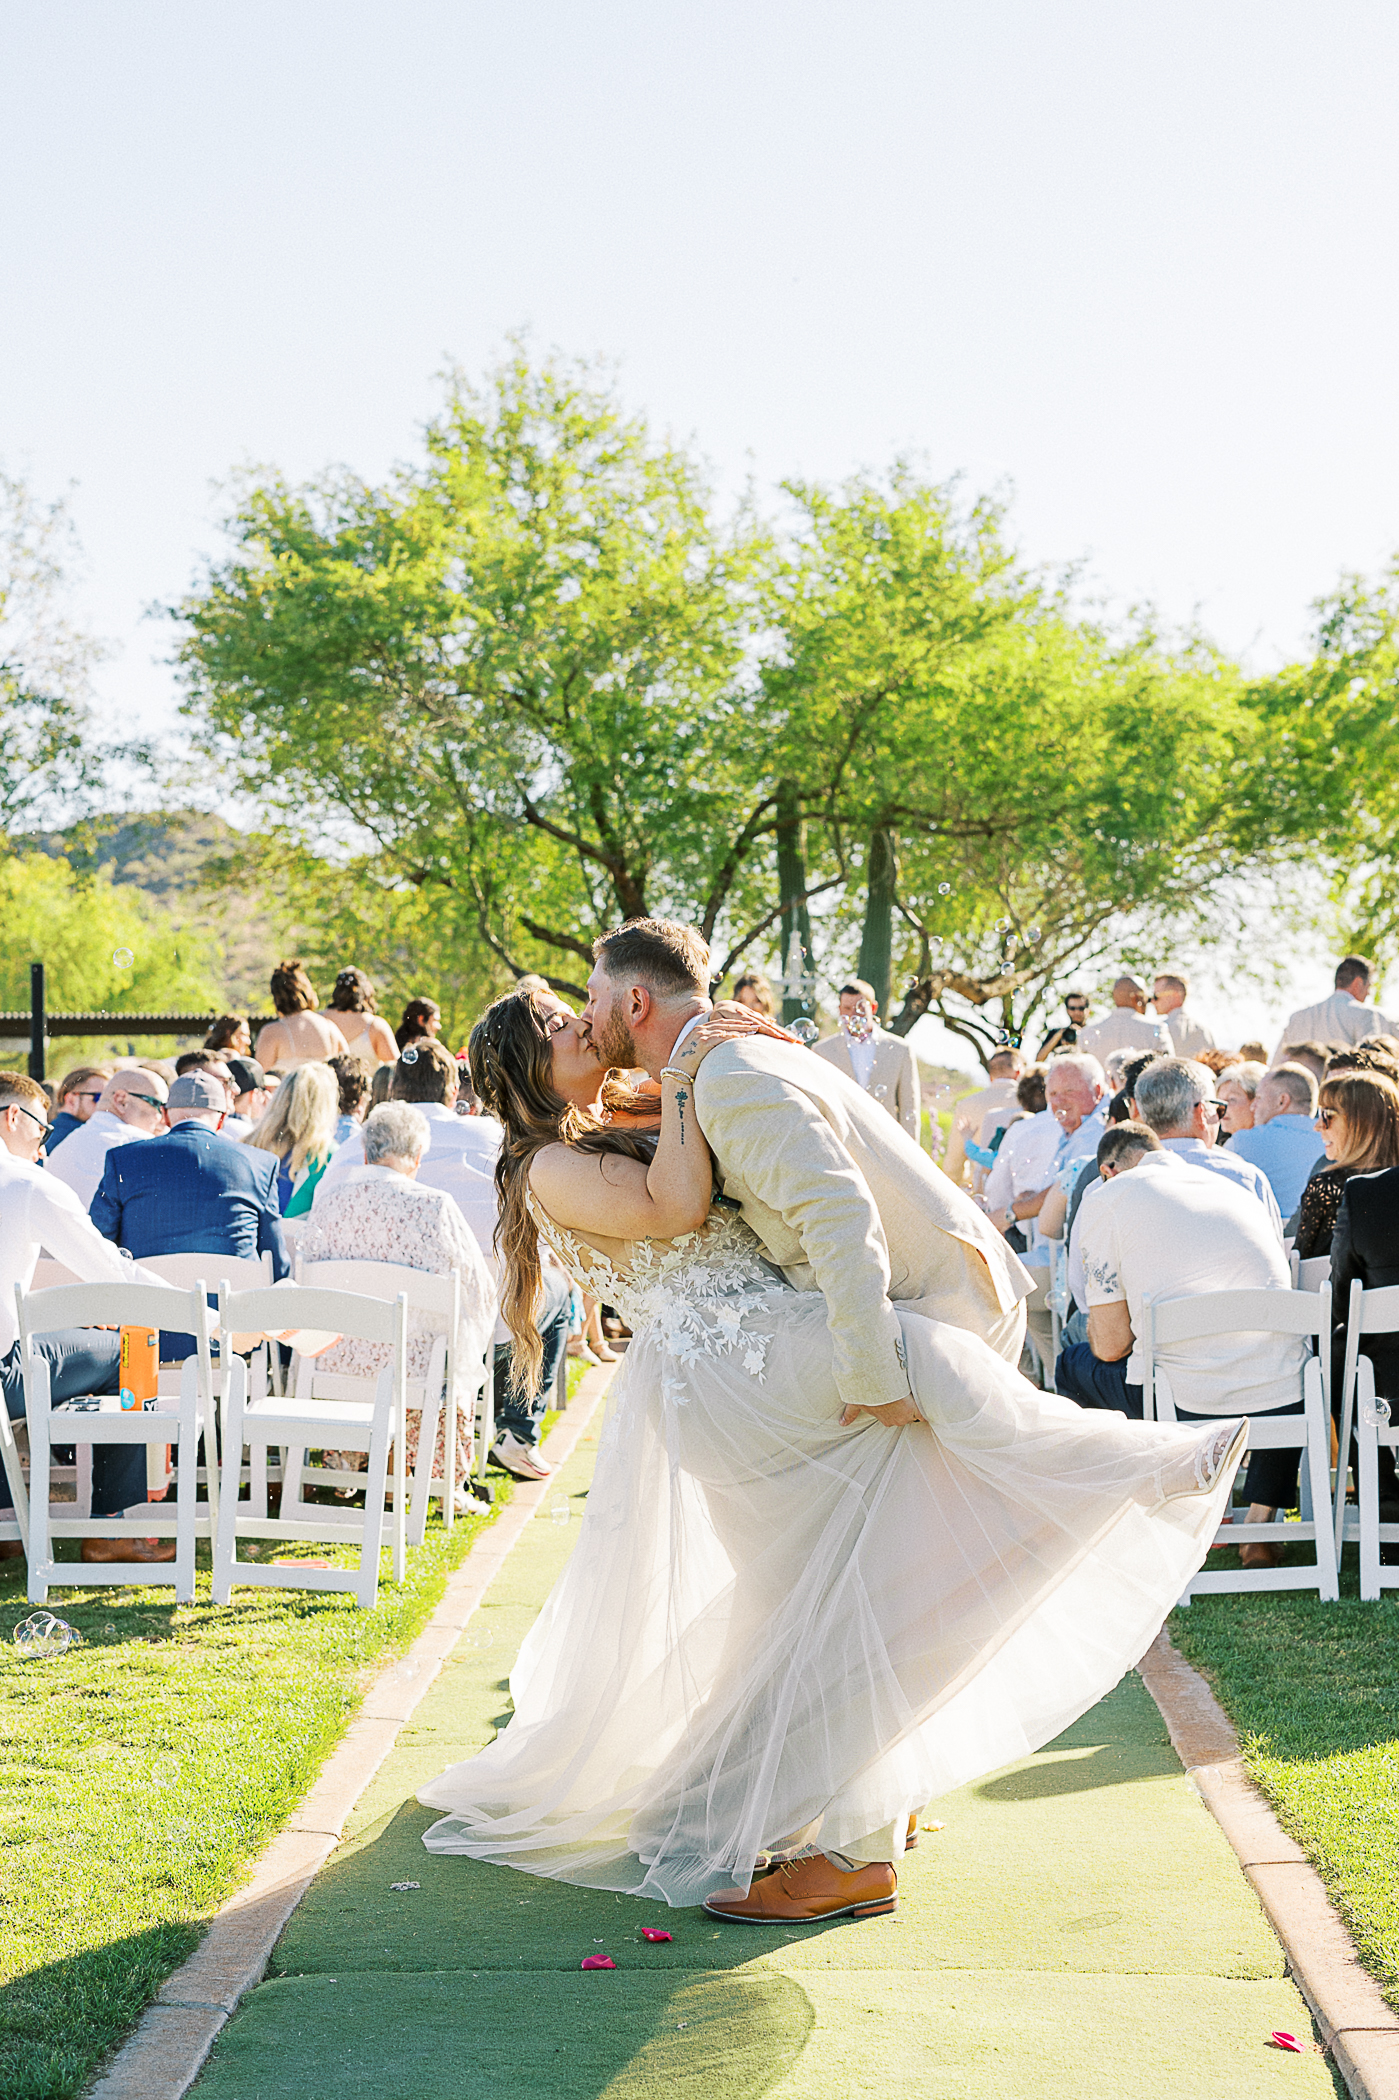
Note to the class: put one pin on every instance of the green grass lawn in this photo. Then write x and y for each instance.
(1313, 1690)
(140, 1774)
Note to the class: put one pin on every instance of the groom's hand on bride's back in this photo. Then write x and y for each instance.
(894, 1416)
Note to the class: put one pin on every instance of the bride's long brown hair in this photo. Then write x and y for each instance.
(511, 1059)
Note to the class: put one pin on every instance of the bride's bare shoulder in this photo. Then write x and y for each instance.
(548, 1164)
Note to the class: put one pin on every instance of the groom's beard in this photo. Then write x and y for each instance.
(616, 1045)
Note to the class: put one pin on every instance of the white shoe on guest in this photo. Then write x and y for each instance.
(519, 1458)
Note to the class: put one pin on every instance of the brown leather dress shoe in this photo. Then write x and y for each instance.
(1262, 1553)
(128, 1549)
(803, 1891)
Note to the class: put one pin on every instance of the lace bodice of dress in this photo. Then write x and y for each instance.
(696, 1290)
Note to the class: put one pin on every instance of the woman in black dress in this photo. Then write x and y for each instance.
(1357, 1119)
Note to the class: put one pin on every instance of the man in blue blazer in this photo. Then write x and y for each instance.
(198, 1193)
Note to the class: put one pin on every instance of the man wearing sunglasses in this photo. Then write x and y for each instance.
(132, 1106)
(77, 1095)
(37, 1212)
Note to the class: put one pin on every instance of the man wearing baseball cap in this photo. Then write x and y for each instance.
(192, 1190)
(251, 1094)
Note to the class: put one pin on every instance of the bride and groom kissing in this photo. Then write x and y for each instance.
(839, 1557)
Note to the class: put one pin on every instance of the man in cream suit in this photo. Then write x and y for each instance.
(841, 1197)
(882, 1063)
(1346, 1017)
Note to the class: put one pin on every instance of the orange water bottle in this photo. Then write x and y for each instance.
(140, 1365)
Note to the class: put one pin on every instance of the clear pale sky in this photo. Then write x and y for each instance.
(1133, 264)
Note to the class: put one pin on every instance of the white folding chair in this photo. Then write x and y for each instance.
(1311, 1274)
(1373, 1416)
(1271, 1312)
(299, 1424)
(48, 1274)
(438, 1296)
(173, 1418)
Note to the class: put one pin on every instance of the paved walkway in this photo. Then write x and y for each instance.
(1080, 1928)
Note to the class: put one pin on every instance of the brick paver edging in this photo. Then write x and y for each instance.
(1359, 2032)
(175, 2034)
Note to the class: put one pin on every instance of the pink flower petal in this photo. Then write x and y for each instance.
(649, 1932)
(1288, 2042)
(597, 1961)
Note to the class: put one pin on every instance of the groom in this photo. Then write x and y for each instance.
(845, 1203)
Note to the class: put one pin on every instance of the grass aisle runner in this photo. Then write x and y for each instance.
(1080, 1927)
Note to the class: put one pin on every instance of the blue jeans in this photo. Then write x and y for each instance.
(1079, 1375)
(81, 1360)
(521, 1413)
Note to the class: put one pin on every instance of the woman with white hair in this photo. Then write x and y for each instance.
(380, 1212)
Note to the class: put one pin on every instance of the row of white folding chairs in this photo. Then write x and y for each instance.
(1368, 1413)
(363, 1419)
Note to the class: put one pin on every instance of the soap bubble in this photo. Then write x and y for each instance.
(1035, 933)
(405, 1670)
(910, 984)
(1015, 1042)
(881, 1093)
(410, 1056)
(478, 1637)
(41, 1636)
(165, 1771)
(859, 1026)
(560, 1511)
(1003, 1035)
(123, 958)
(1375, 1414)
(944, 889)
(806, 1032)
(1003, 925)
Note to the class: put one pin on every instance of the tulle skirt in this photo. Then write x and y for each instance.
(774, 1631)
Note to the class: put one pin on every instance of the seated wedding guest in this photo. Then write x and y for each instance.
(191, 1191)
(230, 1032)
(132, 1106)
(1172, 1229)
(1345, 1017)
(1119, 1149)
(214, 1064)
(1365, 1250)
(1315, 1057)
(39, 1214)
(352, 1077)
(1176, 1099)
(753, 991)
(1357, 1118)
(251, 1095)
(1253, 1053)
(1283, 1140)
(1020, 1168)
(298, 1129)
(76, 1095)
(382, 1211)
(354, 1009)
(880, 1062)
(1219, 1061)
(1065, 1037)
(1128, 1026)
(299, 1035)
(1189, 1036)
(1003, 1070)
(422, 1021)
(1237, 1088)
(462, 1150)
(1363, 1058)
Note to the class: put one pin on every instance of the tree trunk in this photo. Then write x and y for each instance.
(877, 938)
(796, 920)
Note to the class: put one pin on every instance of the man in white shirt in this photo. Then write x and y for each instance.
(1346, 1017)
(132, 1106)
(1167, 1230)
(1176, 1099)
(1002, 1072)
(879, 1062)
(1127, 1027)
(1168, 995)
(38, 1212)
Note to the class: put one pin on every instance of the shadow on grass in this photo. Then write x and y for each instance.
(57, 2021)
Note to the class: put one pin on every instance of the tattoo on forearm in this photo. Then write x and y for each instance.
(681, 1097)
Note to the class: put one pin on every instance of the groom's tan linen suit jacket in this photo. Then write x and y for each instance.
(845, 1203)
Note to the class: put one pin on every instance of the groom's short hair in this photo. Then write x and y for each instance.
(669, 959)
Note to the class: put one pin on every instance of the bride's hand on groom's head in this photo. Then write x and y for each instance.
(741, 1020)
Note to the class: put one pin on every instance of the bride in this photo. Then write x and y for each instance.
(785, 1628)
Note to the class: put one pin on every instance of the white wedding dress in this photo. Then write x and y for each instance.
(774, 1631)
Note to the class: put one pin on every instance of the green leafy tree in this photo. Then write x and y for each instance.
(48, 763)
